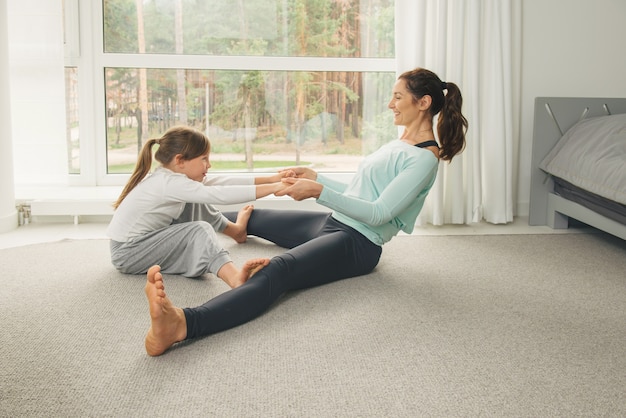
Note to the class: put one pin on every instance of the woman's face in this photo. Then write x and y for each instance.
(405, 110)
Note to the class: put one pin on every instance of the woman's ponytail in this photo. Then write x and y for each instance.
(452, 125)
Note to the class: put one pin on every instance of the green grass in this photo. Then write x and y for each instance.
(217, 166)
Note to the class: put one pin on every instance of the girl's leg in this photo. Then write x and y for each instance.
(238, 230)
(189, 249)
(203, 212)
(285, 228)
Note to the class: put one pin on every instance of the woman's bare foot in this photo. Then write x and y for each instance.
(239, 229)
(235, 277)
(168, 323)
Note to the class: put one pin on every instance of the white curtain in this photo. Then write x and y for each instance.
(475, 44)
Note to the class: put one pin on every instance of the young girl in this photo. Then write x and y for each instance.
(166, 217)
(384, 197)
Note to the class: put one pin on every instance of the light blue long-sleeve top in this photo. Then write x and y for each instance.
(387, 192)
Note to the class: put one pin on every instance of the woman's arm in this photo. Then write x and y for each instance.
(300, 189)
(329, 182)
(396, 196)
(310, 174)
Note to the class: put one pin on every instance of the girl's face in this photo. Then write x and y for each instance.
(405, 110)
(195, 168)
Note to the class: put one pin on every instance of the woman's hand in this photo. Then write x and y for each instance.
(300, 188)
(300, 172)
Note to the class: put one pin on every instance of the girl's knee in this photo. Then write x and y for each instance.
(201, 228)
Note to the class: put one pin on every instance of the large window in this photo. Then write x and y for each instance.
(254, 119)
(271, 82)
(304, 28)
(72, 120)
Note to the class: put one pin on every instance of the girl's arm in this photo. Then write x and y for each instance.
(222, 180)
(227, 186)
(263, 190)
(274, 178)
(267, 185)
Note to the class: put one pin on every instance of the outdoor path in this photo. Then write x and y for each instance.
(339, 162)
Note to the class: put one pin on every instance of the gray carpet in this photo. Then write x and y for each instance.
(521, 325)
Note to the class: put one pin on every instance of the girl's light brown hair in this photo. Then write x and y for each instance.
(187, 142)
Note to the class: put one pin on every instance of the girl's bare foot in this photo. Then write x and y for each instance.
(168, 323)
(238, 230)
(235, 277)
(251, 267)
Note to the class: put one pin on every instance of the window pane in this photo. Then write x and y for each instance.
(321, 28)
(255, 119)
(71, 115)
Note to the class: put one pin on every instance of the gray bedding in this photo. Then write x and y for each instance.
(603, 206)
(588, 165)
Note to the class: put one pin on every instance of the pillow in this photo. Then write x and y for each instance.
(592, 156)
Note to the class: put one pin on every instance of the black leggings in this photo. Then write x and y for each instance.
(321, 250)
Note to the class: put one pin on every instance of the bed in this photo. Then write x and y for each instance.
(578, 163)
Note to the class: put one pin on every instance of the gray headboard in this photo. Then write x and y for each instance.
(553, 117)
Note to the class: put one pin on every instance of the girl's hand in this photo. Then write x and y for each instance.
(300, 188)
(276, 178)
(279, 188)
(286, 173)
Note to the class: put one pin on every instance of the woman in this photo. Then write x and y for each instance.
(384, 197)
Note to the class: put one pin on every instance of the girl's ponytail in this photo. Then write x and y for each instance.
(142, 168)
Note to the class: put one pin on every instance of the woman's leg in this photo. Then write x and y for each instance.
(285, 228)
(167, 322)
(335, 255)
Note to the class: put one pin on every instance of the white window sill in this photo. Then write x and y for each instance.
(60, 204)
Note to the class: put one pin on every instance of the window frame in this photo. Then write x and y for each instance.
(91, 61)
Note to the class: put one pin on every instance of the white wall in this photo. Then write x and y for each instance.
(8, 214)
(36, 61)
(571, 48)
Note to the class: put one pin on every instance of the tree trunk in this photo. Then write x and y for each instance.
(143, 78)
(180, 73)
(247, 132)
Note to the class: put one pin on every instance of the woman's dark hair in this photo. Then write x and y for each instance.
(452, 125)
(188, 142)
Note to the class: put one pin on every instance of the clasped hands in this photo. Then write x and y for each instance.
(299, 183)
